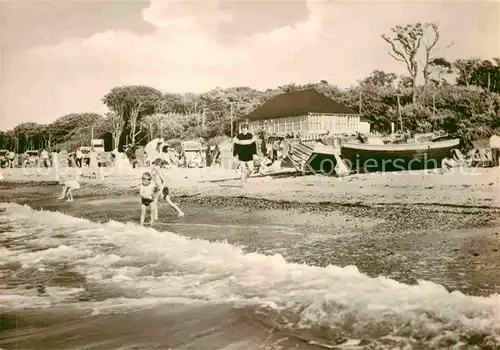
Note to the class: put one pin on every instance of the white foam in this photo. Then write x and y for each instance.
(163, 266)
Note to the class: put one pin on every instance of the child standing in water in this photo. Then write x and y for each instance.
(148, 192)
(163, 191)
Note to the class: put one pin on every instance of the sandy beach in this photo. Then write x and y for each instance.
(372, 236)
(462, 186)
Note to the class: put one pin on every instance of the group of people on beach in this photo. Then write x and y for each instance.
(154, 185)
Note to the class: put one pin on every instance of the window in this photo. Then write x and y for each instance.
(288, 124)
(304, 124)
(281, 125)
(275, 126)
(296, 124)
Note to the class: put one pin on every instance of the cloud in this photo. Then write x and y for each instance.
(338, 42)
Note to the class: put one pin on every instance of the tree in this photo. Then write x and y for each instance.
(380, 79)
(115, 124)
(466, 68)
(153, 124)
(48, 135)
(28, 135)
(132, 102)
(441, 67)
(116, 100)
(133, 120)
(405, 45)
(431, 38)
(487, 75)
(404, 82)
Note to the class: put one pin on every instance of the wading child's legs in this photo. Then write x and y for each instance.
(153, 212)
(64, 192)
(70, 195)
(156, 211)
(143, 213)
(173, 205)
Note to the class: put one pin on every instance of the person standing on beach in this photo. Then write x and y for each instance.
(163, 190)
(448, 162)
(78, 158)
(495, 149)
(93, 163)
(148, 191)
(245, 147)
(44, 155)
(10, 157)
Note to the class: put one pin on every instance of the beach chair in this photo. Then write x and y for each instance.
(481, 157)
(461, 159)
(487, 157)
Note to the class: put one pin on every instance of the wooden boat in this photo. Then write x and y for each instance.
(396, 157)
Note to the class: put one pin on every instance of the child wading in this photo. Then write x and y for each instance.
(163, 191)
(69, 187)
(148, 192)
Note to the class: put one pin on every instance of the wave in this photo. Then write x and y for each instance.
(326, 305)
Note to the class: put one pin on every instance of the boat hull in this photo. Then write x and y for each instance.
(382, 158)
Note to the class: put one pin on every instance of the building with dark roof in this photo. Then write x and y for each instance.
(307, 112)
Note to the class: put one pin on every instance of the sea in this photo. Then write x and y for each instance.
(116, 285)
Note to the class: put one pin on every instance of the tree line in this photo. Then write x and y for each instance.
(461, 97)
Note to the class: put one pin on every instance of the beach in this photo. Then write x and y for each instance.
(462, 186)
(380, 260)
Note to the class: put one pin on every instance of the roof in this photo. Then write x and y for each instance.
(298, 103)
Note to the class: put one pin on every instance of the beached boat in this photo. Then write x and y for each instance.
(396, 157)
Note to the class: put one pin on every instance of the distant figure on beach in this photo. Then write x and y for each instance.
(114, 157)
(44, 156)
(245, 147)
(216, 155)
(54, 159)
(208, 156)
(69, 187)
(448, 162)
(93, 162)
(132, 157)
(163, 190)
(10, 157)
(78, 158)
(495, 149)
(148, 192)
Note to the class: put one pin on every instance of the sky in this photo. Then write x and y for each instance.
(62, 57)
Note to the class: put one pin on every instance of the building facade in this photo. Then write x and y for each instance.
(306, 113)
(312, 123)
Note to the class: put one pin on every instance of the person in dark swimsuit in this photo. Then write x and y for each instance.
(148, 193)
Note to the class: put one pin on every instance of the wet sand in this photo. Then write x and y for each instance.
(471, 187)
(456, 246)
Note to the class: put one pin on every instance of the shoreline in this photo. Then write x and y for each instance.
(453, 245)
(348, 233)
(458, 189)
